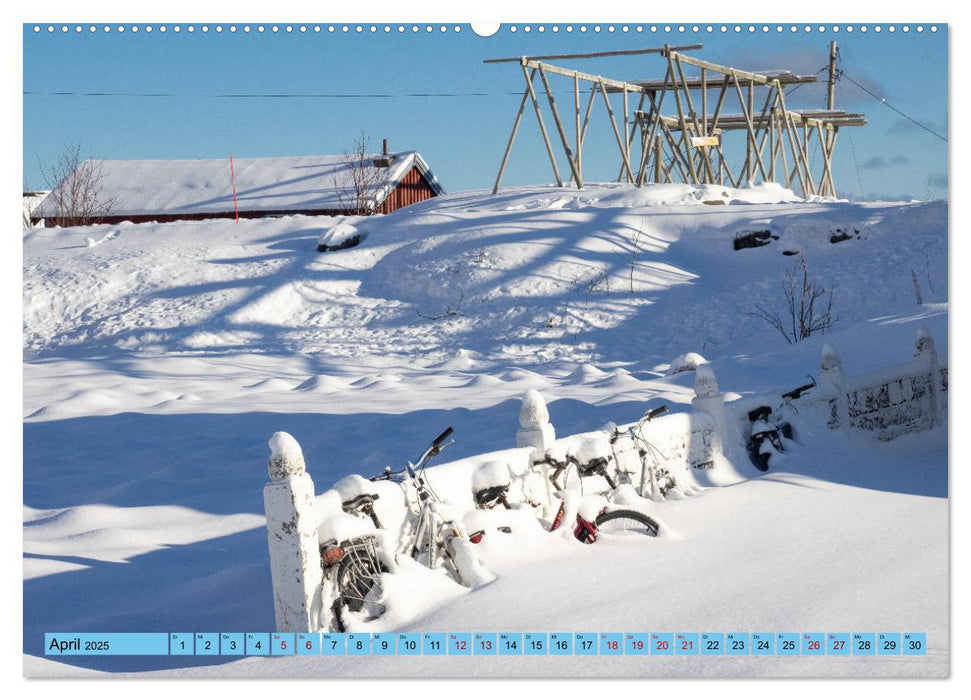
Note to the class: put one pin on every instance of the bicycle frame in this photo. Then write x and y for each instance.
(645, 449)
(426, 532)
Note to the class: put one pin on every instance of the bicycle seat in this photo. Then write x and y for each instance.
(492, 493)
(597, 465)
(362, 501)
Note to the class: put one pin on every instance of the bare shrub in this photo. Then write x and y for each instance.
(916, 283)
(76, 197)
(807, 306)
(359, 194)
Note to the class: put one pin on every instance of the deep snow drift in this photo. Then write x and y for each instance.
(159, 361)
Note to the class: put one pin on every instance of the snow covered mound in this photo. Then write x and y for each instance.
(622, 276)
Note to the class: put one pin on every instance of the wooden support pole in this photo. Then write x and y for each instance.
(720, 103)
(560, 129)
(620, 141)
(699, 130)
(656, 113)
(829, 154)
(542, 126)
(726, 169)
(586, 118)
(831, 87)
(684, 124)
(576, 112)
(773, 154)
(658, 158)
(630, 176)
(804, 146)
(678, 156)
(630, 140)
(766, 128)
(512, 136)
(826, 183)
(798, 157)
(704, 101)
(750, 144)
(780, 138)
(750, 174)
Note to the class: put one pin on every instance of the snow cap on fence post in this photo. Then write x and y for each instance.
(710, 400)
(535, 429)
(925, 345)
(289, 500)
(831, 373)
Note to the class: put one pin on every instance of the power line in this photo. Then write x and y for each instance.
(269, 95)
(883, 101)
(793, 88)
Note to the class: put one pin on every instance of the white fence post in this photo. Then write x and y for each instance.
(291, 526)
(535, 429)
(710, 400)
(832, 377)
(927, 353)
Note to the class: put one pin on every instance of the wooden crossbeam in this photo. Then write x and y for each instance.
(596, 54)
(696, 83)
(745, 75)
(735, 122)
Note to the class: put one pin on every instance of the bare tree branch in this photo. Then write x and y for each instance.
(76, 190)
(359, 196)
(807, 308)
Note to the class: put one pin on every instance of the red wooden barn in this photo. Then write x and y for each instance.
(173, 190)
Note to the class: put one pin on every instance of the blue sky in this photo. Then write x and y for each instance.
(172, 102)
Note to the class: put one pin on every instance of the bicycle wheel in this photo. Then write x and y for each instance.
(626, 521)
(358, 584)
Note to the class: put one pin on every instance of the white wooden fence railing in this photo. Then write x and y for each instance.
(891, 401)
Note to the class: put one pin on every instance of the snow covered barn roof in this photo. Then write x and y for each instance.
(161, 190)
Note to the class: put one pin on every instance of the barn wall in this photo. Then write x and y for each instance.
(412, 189)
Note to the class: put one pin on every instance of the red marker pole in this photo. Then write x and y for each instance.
(232, 174)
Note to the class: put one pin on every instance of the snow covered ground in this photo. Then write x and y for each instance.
(159, 361)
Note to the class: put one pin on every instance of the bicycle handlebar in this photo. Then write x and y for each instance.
(656, 412)
(442, 438)
(799, 390)
(386, 475)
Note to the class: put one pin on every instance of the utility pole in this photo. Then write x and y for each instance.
(831, 94)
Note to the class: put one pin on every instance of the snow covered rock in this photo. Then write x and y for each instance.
(341, 236)
(687, 362)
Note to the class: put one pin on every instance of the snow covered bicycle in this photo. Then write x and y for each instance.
(771, 427)
(653, 475)
(594, 513)
(432, 534)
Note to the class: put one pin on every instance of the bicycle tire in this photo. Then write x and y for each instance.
(627, 521)
(358, 584)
